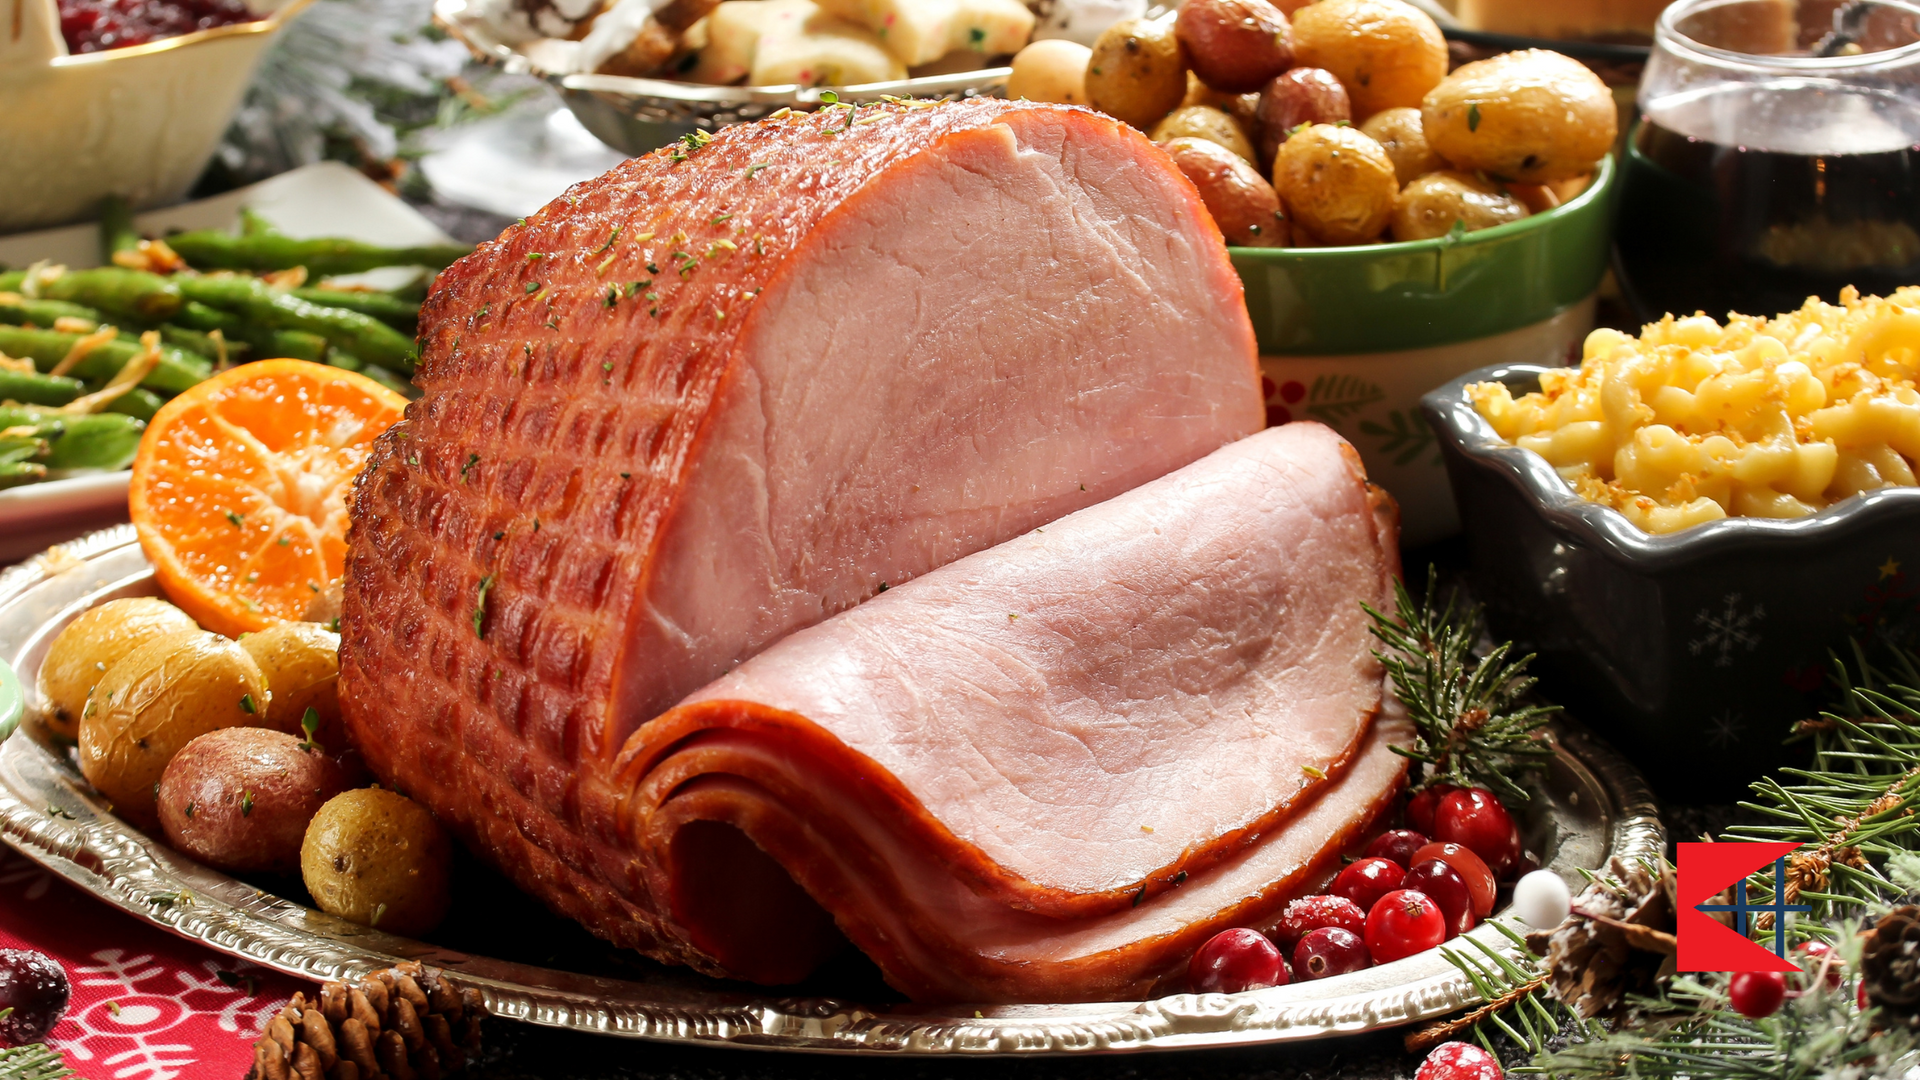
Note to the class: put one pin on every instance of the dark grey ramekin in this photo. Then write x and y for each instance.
(1694, 652)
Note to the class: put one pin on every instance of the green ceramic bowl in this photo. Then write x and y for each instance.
(1354, 336)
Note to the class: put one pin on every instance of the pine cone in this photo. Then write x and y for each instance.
(404, 1023)
(1890, 965)
(1615, 943)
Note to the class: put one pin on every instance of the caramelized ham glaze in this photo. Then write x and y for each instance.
(727, 391)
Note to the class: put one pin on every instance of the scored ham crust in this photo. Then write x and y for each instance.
(727, 391)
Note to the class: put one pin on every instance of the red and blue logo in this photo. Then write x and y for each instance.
(1707, 944)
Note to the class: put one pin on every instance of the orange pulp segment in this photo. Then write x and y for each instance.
(240, 485)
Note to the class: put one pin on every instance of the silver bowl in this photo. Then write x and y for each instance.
(637, 115)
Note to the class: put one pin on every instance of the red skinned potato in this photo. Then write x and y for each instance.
(239, 799)
(1235, 46)
(1387, 53)
(1300, 96)
(1241, 201)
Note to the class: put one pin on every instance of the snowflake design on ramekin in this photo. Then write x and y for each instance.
(1728, 630)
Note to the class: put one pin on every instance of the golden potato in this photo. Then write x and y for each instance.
(1204, 122)
(379, 859)
(1432, 203)
(157, 699)
(1137, 73)
(1053, 70)
(324, 608)
(301, 661)
(1399, 133)
(1336, 184)
(94, 642)
(1241, 201)
(240, 798)
(1529, 116)
(1234, 45)
(1387, 54)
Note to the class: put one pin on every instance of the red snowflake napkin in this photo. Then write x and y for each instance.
(146, 1005)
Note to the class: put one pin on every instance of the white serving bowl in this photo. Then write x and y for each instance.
(140, 122)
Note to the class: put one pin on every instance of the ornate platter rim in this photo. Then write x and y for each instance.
(47, 814)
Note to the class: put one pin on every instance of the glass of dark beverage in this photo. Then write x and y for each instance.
(1777, 156)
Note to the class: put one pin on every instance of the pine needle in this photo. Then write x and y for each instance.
(35, 1061)
(1470, 726)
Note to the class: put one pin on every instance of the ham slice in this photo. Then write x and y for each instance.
(731, 389)
(999, 778)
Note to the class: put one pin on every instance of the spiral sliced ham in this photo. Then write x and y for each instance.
(1061, 736)
(730, 390)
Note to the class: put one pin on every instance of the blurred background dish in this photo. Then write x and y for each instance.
(139, 121)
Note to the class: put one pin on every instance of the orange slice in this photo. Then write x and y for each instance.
(240, 486)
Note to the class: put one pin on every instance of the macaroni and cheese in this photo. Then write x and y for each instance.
(1693, 421)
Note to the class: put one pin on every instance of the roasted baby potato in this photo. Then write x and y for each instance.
(1386, 53)
(1336, 184)
(1234, 46)
(1204, 122)
(1241, 201)
(240, 798)
(156, 700)
(1137, 73)
(379, 859)
(1529, 117)
(1399, 133)
(94, 642)
(1301, 96)
(1053, 70)
(301, 661)
(1431, 205)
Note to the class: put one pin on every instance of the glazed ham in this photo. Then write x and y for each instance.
(1070, 731)
(732, 389)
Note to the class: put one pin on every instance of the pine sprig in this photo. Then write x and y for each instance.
(1854, 806)
(35, 1061)
(1471, 728)
(1518, 1002)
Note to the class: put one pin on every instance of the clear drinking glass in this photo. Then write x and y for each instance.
(1777, 156)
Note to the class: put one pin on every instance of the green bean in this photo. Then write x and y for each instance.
(116, 228)
(364, 336)
(137, 403)
(252, 224)
(176, 371)
(387, 308)
(29, 388)
(394, 382)
(194, 341)
(29, 312)
(78, 441)
(211, 249)
(109, 288)
(340, 358)
(13, 474)
(297, 344)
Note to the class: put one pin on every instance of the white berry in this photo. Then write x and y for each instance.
(1542, 900)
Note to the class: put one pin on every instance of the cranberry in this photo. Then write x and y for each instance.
(1816, 954)
(1402, 923)
(1236, 960)
(1479, 879)
(1757, 994)
(1474, 818)
(1398, 845)
(1330, 951)
(1459, 1061)
(1444, 886)
(1310, 913)
(1420, 808)
(1368, 880)
(96, 25)
(34, 986)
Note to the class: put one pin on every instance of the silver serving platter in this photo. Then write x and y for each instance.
(637, 115)
(1595, 807)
